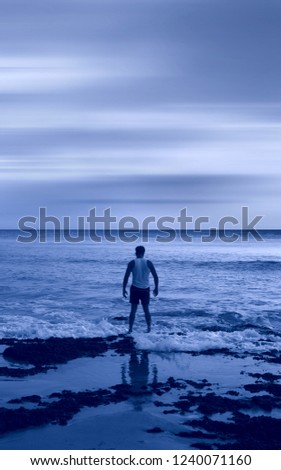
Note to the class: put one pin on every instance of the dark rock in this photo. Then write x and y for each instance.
(28, 399)
(20, 372)
(274, 389)
(193, 434)
(59, 412)
(267, 376)
(160, 403)
(54, 350)
(258, 433)
(154, 430)
(39, 352)
(198, 385)
(202, 446)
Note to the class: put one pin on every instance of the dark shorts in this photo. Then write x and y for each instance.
(137, 294)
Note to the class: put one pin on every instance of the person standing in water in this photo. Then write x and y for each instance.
(140, 268)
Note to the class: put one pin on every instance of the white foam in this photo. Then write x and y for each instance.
(29, 327)
(197, 341)
(166, 336)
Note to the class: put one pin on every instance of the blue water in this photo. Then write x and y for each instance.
(212, 295)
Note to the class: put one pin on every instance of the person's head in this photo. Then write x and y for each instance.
(140, 251)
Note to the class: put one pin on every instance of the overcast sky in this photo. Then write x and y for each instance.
(145, 106)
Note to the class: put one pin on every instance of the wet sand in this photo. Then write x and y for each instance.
(104, 393)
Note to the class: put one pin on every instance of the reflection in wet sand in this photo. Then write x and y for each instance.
(136, 373)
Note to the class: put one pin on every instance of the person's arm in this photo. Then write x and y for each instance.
(155, 277)
(126, 277)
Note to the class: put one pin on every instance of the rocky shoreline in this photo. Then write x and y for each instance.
(239, 430)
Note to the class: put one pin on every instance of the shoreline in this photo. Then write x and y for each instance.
(210, 400)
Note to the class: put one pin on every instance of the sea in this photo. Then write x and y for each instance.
(212, 295)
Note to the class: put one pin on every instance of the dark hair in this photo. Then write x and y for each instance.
(140, 250)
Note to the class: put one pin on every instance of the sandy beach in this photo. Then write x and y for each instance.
(104, 393)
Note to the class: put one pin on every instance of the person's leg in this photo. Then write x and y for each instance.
(132, 316)
(147, 316)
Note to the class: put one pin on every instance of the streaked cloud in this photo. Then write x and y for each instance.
(228, 117)
(34, 74)
(214, 196)
(214, 140)
(110, 91)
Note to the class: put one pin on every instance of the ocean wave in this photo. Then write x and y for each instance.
(175, 335)
(247, 341)
(241, 264)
